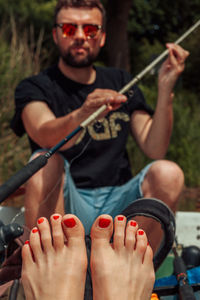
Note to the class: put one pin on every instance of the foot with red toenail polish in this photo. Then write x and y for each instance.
(122, 269)
(52, 268)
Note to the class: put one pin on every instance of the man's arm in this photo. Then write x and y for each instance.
(153, 133)
(46, 130)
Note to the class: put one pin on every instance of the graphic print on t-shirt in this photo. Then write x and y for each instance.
(105, 129)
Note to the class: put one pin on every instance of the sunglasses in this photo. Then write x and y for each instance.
(69, 29)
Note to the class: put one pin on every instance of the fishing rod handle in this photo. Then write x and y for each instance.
(21, 176)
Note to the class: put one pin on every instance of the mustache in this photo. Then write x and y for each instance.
(78, 43)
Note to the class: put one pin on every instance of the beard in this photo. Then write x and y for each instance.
(72, 61)
(75, 61)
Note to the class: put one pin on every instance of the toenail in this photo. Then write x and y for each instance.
(34, 230)
(56, 217)
(69, 222)
(41, 220)
(133, 223)
(27, 242)
(103, 223)
(120, 218)
(140, 232)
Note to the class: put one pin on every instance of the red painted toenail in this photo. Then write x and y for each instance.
(41, 220)
(69, 222)
(103, 223)
(140, 232)
(56, 217)
(34, 230)
(27, 242)
(120, 218)
(133, 223)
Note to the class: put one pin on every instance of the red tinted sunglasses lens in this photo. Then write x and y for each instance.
(68, 29)
(90, 30)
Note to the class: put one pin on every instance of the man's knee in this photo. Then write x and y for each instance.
(167, 172)
(164, 177)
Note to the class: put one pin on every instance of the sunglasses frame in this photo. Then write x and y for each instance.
(60, 25)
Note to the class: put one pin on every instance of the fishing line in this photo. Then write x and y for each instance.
(23, 210)
(82, 151)
(25, 173)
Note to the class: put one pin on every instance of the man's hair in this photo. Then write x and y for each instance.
(80, 4)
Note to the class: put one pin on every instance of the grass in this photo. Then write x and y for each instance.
(20, 57)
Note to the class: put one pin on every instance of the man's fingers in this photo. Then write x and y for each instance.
(177, 52)
(117, 99)
(100, 97)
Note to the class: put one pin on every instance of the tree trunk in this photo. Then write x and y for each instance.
(117, 46)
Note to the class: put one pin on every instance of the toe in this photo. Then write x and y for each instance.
(102, 229)
(119, 232)
(73, 229)
(57, 232)
(27, 264)
(27, 257)
(148, 268)
(45, 234)
(148, 255)
(130, 238)
(35, 244)
(141, 244)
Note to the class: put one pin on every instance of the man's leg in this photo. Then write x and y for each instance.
(44, 191)
(164, 181)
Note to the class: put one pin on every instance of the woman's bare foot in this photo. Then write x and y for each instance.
(122, 269)
(54, 264)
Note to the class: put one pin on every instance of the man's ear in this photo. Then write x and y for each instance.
(103, 39)
(54, 34)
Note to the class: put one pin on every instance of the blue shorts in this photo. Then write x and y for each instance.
(88, 204)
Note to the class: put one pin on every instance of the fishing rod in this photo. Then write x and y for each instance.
(185, 290)
(36, 164)
(138, 77)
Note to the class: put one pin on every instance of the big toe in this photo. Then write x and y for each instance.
(102, 229)
(73, 230)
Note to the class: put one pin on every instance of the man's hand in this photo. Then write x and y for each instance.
(172, 67)
(99, 97)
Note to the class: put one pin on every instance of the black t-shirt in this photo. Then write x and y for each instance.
(99, 157)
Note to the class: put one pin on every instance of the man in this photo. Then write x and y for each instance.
(91, 175)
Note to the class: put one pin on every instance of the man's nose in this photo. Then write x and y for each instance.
(79, 34)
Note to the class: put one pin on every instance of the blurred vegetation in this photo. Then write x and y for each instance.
(20, 57)
(26, 46)
(185, 140)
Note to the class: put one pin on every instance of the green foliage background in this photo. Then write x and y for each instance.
(26, 46)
